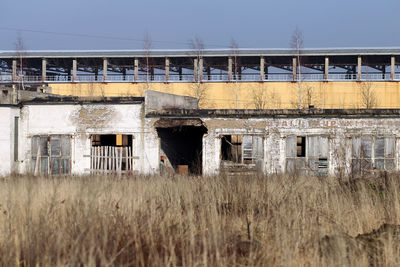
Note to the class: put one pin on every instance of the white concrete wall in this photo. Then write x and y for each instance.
(80, 121)
(338, 130)
(6, 125)
(7, 115)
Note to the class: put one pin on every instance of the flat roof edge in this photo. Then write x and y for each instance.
(273, 113)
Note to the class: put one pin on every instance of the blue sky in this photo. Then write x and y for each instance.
(79, 24)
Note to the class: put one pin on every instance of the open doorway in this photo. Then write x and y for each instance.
(181, 148)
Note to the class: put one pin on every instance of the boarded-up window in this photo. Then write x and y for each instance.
(51, 154)
(307, 154)
(372, 152)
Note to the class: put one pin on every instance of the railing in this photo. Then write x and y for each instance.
(91, 78)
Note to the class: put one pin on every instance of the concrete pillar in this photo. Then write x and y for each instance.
(229, 68)
(326, 69)
(105, 67)
(166, 69)
(294, 69)
(195, 66)
(180, 73)
(359, 68)
(262, 64)
(200, 70)
(44, 65)
(392, 67)
(136, 69)
(14, 70)
(152, 73)
(74, 69)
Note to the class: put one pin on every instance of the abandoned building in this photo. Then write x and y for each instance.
(168, 133)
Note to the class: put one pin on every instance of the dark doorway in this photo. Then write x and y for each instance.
(183, 145)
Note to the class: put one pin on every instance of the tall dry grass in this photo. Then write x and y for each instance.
(186, 221)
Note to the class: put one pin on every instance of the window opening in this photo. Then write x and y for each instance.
(111, 153)
(51, 154)
(231, 148)
(307, 154)
(242, 149)
(372, 153)
(301, 146)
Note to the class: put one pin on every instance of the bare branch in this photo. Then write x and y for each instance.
(297, 40)
(368, 96)
(21, 54)
(297, 45)
(235, 47)
(147, 43)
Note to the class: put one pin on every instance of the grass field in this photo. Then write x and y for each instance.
(187, 221)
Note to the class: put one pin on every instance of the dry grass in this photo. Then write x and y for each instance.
(183, 221)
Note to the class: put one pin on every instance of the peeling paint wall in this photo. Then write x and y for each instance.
(80, 121)
(339, 132)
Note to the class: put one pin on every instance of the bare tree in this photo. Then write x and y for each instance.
(20, 52)
(197, 50)
(297, 45)
(260, 96)
(147, 43)
(309, 98)
(235, 52)
(368, 95)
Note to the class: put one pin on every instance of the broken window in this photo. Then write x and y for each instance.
(231, 148)
(111, 153)
(301, 146)
(51, 155)
(111, 140)
(372, 152)
(242, 149)
(307, 154)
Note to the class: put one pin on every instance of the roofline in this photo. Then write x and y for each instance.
(350, 51)
(71, 100)
(273, 113)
